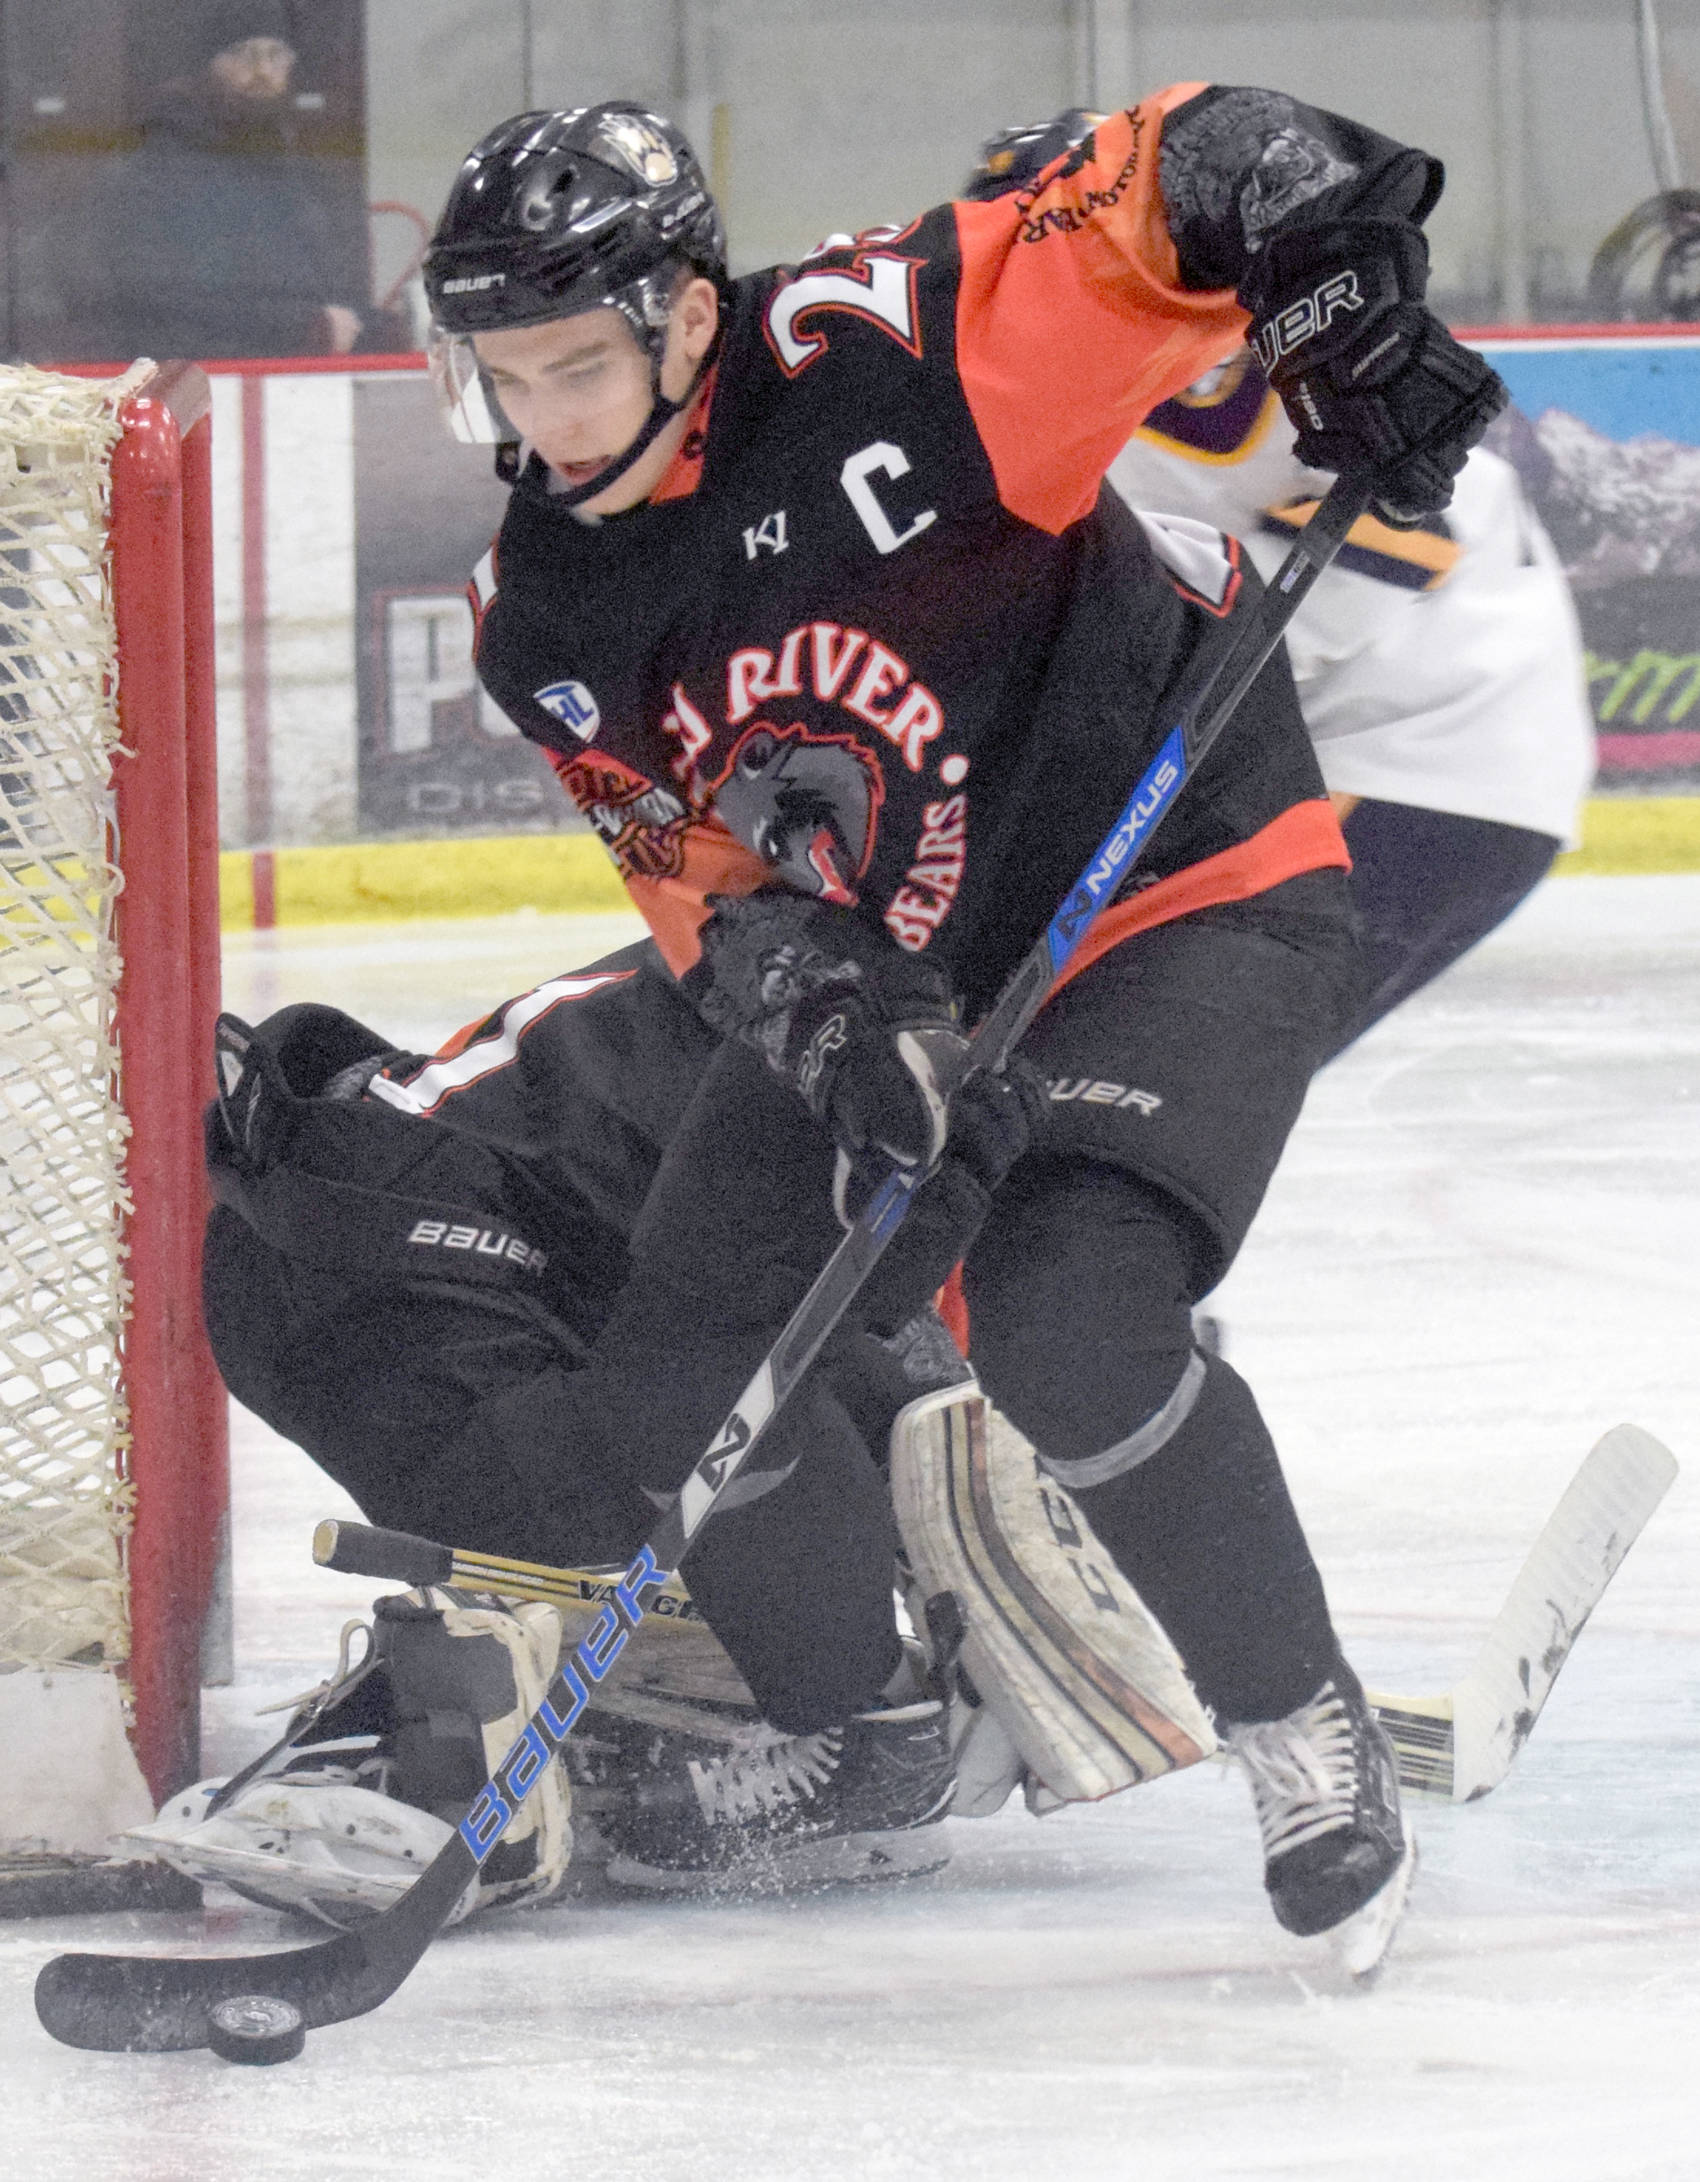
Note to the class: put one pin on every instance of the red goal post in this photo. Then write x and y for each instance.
(113, 1448)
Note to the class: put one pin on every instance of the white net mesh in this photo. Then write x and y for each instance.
(64, 1494)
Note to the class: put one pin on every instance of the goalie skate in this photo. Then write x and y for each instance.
(340, 1816)
(764, 1812)
(1079, 1681)
(311, 1839)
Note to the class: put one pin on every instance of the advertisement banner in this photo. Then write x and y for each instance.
(1606, 433)
(349, 522)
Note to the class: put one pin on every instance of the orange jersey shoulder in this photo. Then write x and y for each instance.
(1080, 271)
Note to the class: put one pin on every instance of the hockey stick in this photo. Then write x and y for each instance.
(396, 1556)
(1458, 1745)
(152, 2004)
(1462, 1745)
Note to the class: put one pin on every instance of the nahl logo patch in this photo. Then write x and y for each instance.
(573, 705)
(484, 1242)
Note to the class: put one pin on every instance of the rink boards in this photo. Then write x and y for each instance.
(348, 522)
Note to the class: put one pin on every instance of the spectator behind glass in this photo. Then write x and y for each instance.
(214, 237)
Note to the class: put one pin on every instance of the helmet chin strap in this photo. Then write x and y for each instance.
(661, 414)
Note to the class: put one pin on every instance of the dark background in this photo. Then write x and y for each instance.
(76, 77)
(425, 510)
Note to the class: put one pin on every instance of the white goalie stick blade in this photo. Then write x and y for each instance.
(1057, 1642)
(1461, 1745)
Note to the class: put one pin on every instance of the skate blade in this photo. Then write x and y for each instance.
(1361, 1942)
(858, 1859)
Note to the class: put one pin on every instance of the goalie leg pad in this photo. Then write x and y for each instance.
(375, 1768)
(306, 1839)
(1058, 1643)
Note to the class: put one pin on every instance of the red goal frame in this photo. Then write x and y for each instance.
(165, 784)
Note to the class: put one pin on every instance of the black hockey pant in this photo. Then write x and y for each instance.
(1177, 1066)
(1426, 886)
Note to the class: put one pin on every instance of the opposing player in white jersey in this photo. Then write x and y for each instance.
(1440, 674)
(1439, 669)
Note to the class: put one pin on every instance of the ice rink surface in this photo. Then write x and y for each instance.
(1482, 1251)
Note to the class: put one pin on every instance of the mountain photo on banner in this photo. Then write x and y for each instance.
(1606, 434)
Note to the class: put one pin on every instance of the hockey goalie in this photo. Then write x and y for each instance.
(425, 1377)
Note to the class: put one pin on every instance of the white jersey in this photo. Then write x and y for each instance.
(1440, 668)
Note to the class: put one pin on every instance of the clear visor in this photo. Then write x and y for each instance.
(463, 393)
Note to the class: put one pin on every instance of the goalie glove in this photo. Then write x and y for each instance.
(1374, 384)
(866, 1035)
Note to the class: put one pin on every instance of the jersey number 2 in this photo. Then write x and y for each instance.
(881, 290)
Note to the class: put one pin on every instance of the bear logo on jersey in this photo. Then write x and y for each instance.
(807, 804)
(573, 705)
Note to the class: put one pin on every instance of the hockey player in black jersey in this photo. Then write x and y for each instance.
(405, 1273)
(809, 588)
(856, 505)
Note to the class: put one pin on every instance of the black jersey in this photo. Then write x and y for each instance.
(580, 1084)
(882, 635)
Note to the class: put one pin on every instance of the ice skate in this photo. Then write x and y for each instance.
(1337, 1858)
(764, 1811)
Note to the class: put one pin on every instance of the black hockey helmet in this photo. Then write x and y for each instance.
(1015, 157)
(553, 214)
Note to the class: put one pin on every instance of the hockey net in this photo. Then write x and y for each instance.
(111, 1423)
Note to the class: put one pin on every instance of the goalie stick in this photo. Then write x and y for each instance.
(155, 2004)
(1461, 1745)
(396, 1556)
(1458, 1745)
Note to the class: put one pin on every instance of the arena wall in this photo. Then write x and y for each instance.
(352, 731)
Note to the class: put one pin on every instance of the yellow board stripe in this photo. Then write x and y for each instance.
(377, 881)
(380, 881)
(1631, 834)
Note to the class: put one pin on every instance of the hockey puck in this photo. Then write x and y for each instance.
(256, 2028)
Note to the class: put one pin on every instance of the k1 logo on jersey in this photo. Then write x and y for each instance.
(766, 536)
(573, 705)
(878, 288)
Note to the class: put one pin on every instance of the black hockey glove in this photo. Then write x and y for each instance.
(993, 1120)
(1373, 382)
(866, 1034)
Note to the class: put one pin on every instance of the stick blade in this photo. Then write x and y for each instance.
(1600, 1516)
(1421, 1732)
(160, 2003)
